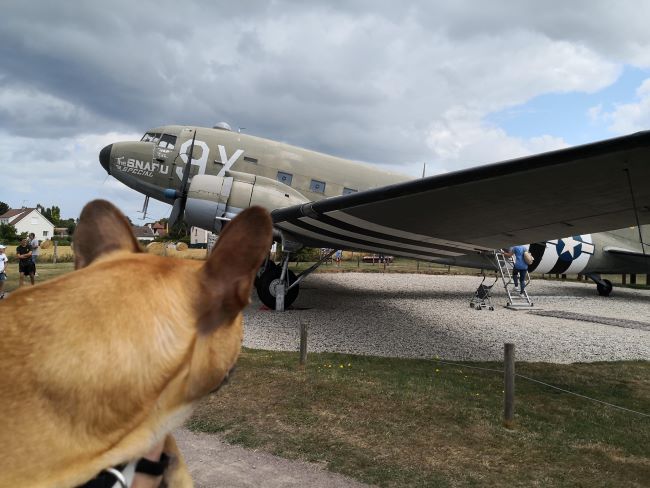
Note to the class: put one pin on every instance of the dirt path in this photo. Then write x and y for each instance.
(214, 463)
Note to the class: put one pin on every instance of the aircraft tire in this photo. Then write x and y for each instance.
(606, 289)
(266, 287)
(269, 265)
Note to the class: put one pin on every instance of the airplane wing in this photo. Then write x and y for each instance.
(583, 189)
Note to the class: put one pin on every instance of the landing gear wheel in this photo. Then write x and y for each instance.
(266, 283)
(269, 265)
(605, 289)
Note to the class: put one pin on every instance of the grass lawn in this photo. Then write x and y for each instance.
(46, 271)
(396, 422)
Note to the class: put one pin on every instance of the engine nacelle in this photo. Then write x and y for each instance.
(210, 199)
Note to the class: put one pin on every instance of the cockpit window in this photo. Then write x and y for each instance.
(151, 137)
(167, 141)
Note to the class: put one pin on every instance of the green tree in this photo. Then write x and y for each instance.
(71, 225)
(3, 207)
(53, 213)
(8, 233)
(179, 230)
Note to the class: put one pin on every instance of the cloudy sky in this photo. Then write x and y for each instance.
(398, 84)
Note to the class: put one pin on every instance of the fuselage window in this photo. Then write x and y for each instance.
(151, 137)
(285, 178)
(347, 191)
(250, 160)
(167, 141)
(317, 186)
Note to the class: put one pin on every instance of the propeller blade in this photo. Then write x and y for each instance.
(177, 210)
(188, 167)
(179, 203)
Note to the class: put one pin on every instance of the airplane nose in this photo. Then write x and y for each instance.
(105, 158)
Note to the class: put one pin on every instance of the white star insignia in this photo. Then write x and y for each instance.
(569, 246)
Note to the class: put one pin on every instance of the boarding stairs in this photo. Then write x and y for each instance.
(505, 266)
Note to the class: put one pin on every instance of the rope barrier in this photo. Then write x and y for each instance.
(542, 383)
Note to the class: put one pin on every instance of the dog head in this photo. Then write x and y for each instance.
(105, 361)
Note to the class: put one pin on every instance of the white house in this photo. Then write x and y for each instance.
(143, 233)
(29, 220)
(199, 236)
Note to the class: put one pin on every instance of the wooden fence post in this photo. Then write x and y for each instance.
(303, 344)
(509, 390)
(55, 254)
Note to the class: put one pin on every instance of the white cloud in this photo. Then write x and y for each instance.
(63, 172)
(631, 117)
(462, 140)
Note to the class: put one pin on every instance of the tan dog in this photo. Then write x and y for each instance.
(99, 365)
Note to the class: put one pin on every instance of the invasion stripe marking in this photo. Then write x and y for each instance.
(367, 234)
(298, 228)
(391, 242)
(390, 232)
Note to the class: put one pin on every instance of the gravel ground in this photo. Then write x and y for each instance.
(421, 316)
(410, 315)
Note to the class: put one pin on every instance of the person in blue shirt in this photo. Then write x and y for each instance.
(520, 266)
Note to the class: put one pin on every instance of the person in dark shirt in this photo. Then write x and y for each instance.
(26, 266)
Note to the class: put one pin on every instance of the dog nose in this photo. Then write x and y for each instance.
(105, 158)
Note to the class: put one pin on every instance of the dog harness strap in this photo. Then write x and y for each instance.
(153, 468)
(107, 479)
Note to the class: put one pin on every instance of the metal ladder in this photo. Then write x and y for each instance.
(515, 300)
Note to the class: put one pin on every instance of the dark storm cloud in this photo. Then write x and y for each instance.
(365, 80)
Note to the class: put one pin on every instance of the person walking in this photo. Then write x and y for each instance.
(520, 267)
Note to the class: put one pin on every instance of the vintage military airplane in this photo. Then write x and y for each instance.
(456, 218)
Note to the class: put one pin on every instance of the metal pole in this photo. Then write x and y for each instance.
(509, 390)
(303, 343)
(279, 296)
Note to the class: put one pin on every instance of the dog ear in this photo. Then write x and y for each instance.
(228, 275)
(102, 229)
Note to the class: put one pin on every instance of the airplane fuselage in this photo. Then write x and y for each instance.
(154, 165)
(231, 171)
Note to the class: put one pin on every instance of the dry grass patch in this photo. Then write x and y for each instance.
(396, 422)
